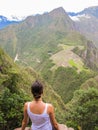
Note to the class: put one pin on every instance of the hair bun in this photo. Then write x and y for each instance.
(36, 95)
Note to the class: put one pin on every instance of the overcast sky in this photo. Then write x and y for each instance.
(31, 7)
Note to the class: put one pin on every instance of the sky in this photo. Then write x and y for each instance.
(31, 7)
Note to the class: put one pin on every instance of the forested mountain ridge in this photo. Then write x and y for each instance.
(86, 22)
(39, 39)
(15, 89)
(36, 30)
(28, 39)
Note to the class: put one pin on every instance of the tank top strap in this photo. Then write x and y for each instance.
(46, 106)
(28, 106)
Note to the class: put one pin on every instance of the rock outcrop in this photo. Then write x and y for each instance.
(90, 55)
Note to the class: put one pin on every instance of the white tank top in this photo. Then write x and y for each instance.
(39, 121)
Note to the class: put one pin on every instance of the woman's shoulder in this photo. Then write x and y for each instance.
(26, 104)
(50, 107)
(49, 104)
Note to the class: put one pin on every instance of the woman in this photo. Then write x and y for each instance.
(41, 114)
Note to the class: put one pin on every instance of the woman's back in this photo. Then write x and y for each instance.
(41, 114)
(37, 112)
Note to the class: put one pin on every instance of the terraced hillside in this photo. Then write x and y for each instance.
(67, 58)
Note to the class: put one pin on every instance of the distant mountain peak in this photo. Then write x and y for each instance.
(58, 11)
(5, 21)
(93, 10)
(2, 18)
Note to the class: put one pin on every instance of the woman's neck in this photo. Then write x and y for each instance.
(38, 100)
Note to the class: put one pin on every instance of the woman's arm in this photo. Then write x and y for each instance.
(26, 118)
(52, 117)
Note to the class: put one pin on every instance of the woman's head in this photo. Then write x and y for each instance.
(37, 89)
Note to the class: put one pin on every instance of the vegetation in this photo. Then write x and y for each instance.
(66, 80)
(15, 85)
(11, 107)
(82, 110)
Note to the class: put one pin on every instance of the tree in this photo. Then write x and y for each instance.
(11, 106)
(83, 109)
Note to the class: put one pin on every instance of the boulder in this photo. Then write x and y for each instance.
(64, 127)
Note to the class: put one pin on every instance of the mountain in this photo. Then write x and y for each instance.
(15, 85)
(90, 10)
(81, 20)
(4, 21)
(47, 32)
(35, 31)
(52, 46)
(87, 23)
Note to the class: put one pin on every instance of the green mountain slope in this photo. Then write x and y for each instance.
(88, 23)
(15, 85)
(81, 107)
(36, 42)
(37, 36)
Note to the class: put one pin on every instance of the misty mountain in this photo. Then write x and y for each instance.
(39, 37)
(4, 21)
(90, 10)
(84, 21)
(87, 22)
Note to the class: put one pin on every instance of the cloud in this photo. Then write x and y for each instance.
(30, 7)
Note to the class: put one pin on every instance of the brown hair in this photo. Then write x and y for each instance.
(37, 89)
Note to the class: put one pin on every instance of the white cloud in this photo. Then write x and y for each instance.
(77, 18)
(30, 7)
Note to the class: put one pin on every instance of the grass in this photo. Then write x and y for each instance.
(67, 57)
(78, 65)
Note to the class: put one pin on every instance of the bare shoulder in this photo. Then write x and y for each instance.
(50, 105)
(26, 104)
(50, 108)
